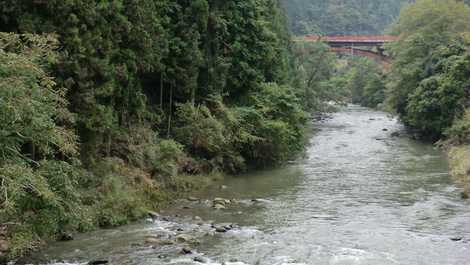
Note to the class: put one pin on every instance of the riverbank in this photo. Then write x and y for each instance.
(459, 157)
(123, 196)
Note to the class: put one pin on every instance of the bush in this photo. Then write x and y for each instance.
(459, 133)
(143, 149)
(441, 98)
(277, 121)
(199, 130)
(39, 191)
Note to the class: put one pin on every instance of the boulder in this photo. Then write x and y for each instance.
(219, 201)
(66, 237)
(153, 215)
(184, 238)
(220, 229)
(395, 134)
(186, 251)
(219, 206)
(192, 199)
(197, 218)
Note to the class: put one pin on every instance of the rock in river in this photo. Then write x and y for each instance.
(185, 238)
(98, 262)
(158, 241)
(221, 229)
(192, 199)
(153, 215)
(464, 195)
(186, 251)
(66, 237)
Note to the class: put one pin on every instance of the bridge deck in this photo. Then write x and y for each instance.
(351, 40)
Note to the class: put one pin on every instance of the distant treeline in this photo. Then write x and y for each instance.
(335, 17)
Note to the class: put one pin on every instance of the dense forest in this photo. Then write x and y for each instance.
(112, 107)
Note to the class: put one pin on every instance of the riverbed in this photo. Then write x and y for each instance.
(363, 193)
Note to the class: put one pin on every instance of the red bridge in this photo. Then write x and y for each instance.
(368, 46)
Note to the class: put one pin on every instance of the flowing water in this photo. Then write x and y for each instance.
(360, 196)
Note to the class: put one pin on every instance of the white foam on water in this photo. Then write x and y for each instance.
(350, 256)
(59, 263)
(190, 260)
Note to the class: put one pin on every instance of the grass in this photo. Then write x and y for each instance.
(459, 157)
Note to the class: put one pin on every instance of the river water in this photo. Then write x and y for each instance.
(359, 196)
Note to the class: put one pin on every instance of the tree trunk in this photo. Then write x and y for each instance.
(170, 111)
(161, 90)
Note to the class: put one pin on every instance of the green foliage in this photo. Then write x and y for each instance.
(366, 83)
(198, 129)
(278, 119)
(314, 66)
(459, 133)
(429, 79)
(38, 191)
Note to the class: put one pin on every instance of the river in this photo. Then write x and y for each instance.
(359, 196)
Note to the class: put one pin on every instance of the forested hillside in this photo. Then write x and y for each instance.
(336, 17)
